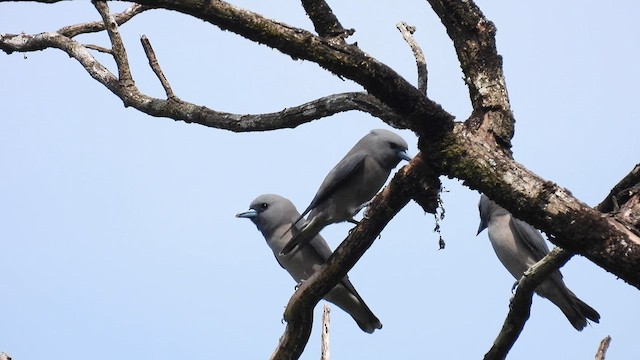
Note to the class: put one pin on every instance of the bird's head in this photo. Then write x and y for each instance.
(387, 147)
(270, 211)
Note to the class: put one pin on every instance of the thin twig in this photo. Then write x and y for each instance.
(96, 26)
(602, 349)
(325, 351)
(520, 308)
(155, 66)
(407, 33)
(98, 48)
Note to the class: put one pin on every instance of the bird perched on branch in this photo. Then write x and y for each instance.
(351, 184)
(274, 215)
(519, 246)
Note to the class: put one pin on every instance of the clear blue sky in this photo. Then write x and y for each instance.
(117, 230)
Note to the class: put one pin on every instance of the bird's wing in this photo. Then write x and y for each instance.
(534, 241)
(531, 237)
(336, 177)
(320, 246)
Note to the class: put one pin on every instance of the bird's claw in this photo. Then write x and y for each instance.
(515, 285)
(299, 284)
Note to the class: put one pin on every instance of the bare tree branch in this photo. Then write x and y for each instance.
(155, 66)
(97, 26)
(325, 350)
(602, 349)
(191, 113)
(407, 33)
(25, 43)
(99, 49)
(520, 307)
(474, 40)
(117, 46)
(348, 61)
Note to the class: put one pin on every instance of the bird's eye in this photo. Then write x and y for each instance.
(393, 146)
(264, 206)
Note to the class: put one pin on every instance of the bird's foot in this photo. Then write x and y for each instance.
(299, 284)
(353, 228)
(515, 285)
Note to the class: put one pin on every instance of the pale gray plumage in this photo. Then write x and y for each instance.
(351, 183)
(519, 246)
(274, 215)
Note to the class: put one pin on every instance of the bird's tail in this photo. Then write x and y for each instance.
(354, 306)
(586, 310)
(577, 311)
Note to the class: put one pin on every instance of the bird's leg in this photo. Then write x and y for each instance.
(353, 221)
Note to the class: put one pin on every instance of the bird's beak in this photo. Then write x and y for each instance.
(403, 155)
(483, 225)
(251, 213)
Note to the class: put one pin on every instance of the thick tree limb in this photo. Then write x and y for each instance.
(575, 226)
(406, 184)
(520, 307)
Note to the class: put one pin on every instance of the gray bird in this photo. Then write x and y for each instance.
(351, 183)
(519, 246)
(274, 215)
